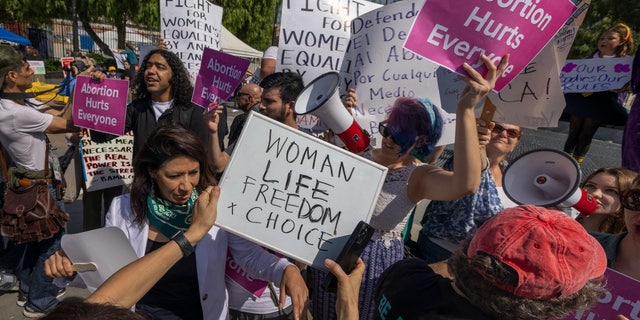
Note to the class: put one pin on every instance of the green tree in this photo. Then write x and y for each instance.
(251, 21)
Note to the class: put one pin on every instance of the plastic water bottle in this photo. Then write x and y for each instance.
(7, 281)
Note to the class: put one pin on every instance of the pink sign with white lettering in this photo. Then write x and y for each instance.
(100, 105)
(453, 32)
(219, 75)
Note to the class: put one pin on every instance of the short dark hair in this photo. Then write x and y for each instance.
(76, 309)
(289, 83)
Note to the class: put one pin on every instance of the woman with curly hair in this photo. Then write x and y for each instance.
(606, 185)
(162, 95)
(524, 263)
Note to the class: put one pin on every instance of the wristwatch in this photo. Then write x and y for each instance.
(183, 243)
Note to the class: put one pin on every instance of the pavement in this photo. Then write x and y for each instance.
(605, 151)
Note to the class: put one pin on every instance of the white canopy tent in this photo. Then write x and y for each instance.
(232, 45)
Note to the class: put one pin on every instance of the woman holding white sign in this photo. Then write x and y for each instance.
(170, 170)
(589, 110)
(409, 134)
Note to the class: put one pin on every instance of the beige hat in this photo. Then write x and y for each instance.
(10, 58)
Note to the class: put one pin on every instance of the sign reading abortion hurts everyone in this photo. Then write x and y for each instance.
(450, 34)
(294, 193)
(219, 75)
(100, 105)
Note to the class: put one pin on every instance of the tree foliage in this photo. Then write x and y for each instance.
(601, 15)
(251, 21)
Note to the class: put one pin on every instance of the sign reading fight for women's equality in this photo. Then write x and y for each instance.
(219, 75)
(189, 26)
(314, 35)
(107, 164)
(302, 197)
(450, 34)
(593, 75)
(620, 298)
(100, 105)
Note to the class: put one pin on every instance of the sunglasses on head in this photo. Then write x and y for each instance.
(384, 132)
(630, 199)
(511, 133)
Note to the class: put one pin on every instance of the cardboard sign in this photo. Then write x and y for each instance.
(593, 75)
(219, 75)
(107, 164)
(621, 298)
(100, 105)
(295, 194)
(189, 26)
(451, 34)
(381, 70)
(108, 248)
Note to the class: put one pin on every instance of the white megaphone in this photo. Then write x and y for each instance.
(547, 178)
(321, 99)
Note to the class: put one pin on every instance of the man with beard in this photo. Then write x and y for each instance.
(279, 93)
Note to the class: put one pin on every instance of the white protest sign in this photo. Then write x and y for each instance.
(108, 248)
(107, 164)
(564, 38)
(187, 27)
(314, 36)
(382, 70)
(294, 193)
(593, 75)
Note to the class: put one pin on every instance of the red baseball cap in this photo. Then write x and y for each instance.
(552, 254)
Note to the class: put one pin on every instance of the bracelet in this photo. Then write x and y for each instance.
(183, 243)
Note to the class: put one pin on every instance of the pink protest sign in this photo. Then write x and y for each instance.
(219, 75)
(100, 105)
(621, 297)
(451, 33)
(255, 286)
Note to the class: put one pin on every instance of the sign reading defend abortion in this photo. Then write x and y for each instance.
(294, 193)
(450, 34)
(100, 105)
(219, 75)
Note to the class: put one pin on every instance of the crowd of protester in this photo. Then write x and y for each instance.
(499, 256)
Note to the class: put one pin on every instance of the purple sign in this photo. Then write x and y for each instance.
(621, 297)
(100, 105)
(450, 34)
(219, 75)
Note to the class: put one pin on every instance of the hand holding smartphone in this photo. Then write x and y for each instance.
(350, 253)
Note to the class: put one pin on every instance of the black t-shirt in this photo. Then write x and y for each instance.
(409, 289)
(176, 294)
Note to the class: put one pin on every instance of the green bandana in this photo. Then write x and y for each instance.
(169, 217)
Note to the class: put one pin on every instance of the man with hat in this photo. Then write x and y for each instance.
(23, 129)
(526, 262)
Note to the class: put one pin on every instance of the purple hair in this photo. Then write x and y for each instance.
(415, 122)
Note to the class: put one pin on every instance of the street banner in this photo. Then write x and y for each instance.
(220, 73)
(189, 26)
(107, 164)
(451, 34)
(593, 75)
(298, 199)
(100, 105)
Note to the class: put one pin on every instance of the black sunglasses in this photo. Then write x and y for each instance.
(384, 132)
(630, 199)
(511, 133)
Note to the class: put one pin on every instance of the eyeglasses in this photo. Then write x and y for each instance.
(511, 133)
(384, 132)
(630, 199)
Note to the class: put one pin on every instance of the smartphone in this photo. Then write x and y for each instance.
(350, 253)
